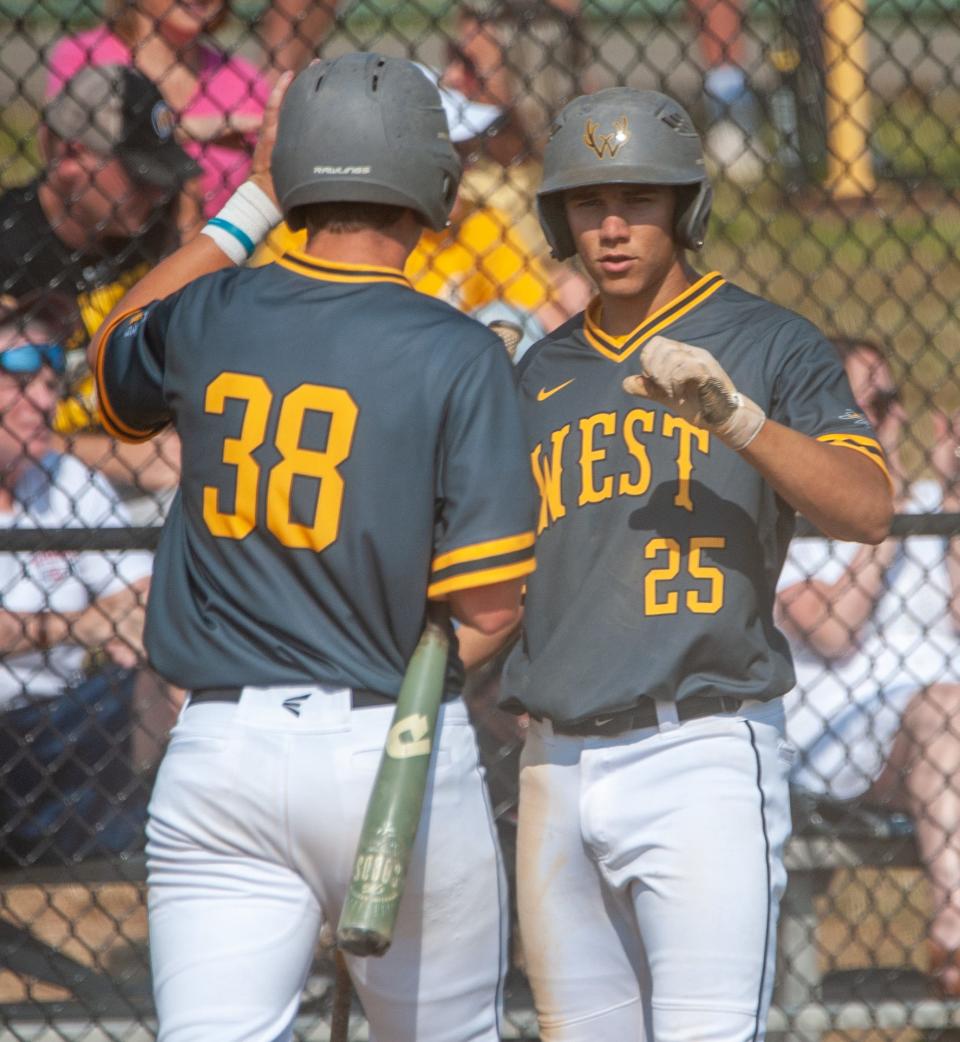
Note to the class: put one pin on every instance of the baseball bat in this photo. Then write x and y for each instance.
(393, 813)
(396, 800)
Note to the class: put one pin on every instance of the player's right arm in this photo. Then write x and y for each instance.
(843, 493)
(200, 256)
(846, 494)
(484, 544)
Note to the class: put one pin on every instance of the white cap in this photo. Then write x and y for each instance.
(466, 119)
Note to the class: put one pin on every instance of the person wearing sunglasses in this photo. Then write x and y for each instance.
(68, 730)
(875, 716)
(101, 213)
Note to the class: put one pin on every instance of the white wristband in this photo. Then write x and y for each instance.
(243, 223)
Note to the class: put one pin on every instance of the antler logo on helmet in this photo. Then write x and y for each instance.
(606, 144)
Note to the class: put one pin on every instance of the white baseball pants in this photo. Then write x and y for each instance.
(650, 869)
(253, 828)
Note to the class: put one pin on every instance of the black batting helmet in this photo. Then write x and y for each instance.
(365, 128)
(623, 136)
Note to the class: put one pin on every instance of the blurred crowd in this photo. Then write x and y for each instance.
(147, 127)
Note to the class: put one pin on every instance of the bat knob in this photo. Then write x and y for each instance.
(358, 941)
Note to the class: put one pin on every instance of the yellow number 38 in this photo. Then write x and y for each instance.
(295, 460)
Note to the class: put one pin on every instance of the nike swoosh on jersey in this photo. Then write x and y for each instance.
(543, 394)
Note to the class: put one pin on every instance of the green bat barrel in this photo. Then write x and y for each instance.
(393, 813)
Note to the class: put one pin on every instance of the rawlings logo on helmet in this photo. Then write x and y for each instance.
(606, 144)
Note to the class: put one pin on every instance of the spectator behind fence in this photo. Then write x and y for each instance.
(733, 112)
(533, 52)
(218, 96)
(96, 220)
(71, 746)
(521, 54)
(501, 174)
(482, 263)
(876, 710)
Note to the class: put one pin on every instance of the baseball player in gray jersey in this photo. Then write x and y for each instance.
(351, 449)
(674, 429)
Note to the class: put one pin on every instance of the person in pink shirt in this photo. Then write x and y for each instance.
(219, 97)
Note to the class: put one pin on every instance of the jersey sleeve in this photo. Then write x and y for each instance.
(485, 487)
(130, 370)
(813, 396)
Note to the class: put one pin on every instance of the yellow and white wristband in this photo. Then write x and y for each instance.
(245, 220)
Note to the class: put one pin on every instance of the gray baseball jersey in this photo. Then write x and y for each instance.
(350, 447)
(658, 547)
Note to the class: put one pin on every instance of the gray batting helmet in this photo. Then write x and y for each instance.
(623, 136)
(365, 128)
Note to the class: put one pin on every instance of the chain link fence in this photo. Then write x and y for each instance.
(831, 136)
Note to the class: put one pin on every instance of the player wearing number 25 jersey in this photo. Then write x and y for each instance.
(351, 450)
(648, 525)
(673, 430)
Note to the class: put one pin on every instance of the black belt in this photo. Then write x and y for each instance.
(608, 725)
(361, 699)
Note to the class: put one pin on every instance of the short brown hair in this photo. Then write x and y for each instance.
(340, 218)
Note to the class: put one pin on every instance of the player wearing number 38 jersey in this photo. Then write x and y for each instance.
(351, 449)
(673, 430)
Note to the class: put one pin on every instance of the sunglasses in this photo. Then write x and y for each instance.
(31, 358)
(882, 402)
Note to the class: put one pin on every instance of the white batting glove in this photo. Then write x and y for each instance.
(691, 382)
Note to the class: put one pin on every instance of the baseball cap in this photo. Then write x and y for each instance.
(115, 110)
(465, 118)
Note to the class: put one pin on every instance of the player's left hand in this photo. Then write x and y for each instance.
(691, 382)
(260, 167)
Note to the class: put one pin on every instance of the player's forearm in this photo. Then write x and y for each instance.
(490, 609)
(840, 491)
(476, 648)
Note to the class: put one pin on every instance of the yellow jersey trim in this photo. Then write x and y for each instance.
(618, 348)
(108, 416)
(867, 446)
(336, 271)
(485, 577)
(477, 551)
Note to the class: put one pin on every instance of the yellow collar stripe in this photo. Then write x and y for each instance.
(619, 348)
(335, 271)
